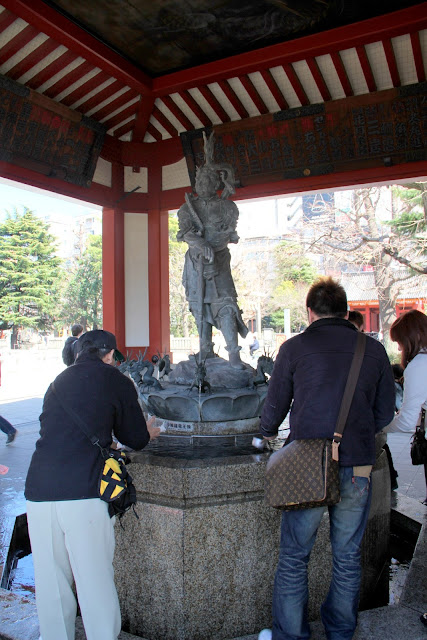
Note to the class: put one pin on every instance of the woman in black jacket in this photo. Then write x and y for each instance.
(72, 535)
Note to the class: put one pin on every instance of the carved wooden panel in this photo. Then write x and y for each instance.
(382, 129)
(44, 136)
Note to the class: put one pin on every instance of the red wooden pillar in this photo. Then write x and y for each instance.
(158, 264)
(113, 271)
(113, 274)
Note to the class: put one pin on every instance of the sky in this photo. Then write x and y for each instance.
(15, 194)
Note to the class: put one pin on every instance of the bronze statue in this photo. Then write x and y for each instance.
(207, 223)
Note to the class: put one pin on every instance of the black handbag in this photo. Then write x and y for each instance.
(305, 473)
(419, 442)
(115, 484)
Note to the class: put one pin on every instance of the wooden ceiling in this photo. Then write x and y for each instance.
(91, 67)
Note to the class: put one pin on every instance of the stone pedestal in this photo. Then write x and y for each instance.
(199, 563)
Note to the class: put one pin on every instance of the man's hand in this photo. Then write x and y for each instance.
(152, 430)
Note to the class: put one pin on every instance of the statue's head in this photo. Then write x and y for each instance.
(207, 181)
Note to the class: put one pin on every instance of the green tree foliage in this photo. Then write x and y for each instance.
(29, 272)
(295, 272)
(411, 226)
(182, 323)
(82, 298)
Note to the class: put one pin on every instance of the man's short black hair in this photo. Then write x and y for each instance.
(356, 318)
(76, 329)
(326, 298)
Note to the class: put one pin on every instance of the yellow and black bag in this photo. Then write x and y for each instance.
(115, 483)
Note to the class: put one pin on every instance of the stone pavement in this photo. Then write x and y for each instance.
(26, 376)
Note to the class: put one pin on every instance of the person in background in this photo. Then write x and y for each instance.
(410, 333)
(69, 351)
(71, 533)
(8, 429)
(356, 318)
(308, 378)
(254, 346)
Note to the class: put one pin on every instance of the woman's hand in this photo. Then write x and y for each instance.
(152, 430)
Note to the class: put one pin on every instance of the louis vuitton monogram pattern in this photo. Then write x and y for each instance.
(301, 475)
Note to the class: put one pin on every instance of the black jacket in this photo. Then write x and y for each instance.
(65, 464)
(69, 351)
(309, 377)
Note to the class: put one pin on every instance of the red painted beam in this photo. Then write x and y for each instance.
(111, 149)
(6, 19)
(214, 104)
(53, 68)
(145, 109)
(128, 126)
(16, 43)
(173, 198)
(176, 111)
(342, 74)
(296, 84)
(391, 61)
(358, 34)
(233, 98)
(123, 115)
(366, 68)
(372, 175)
(58, 27)
(147, 154)
(95, 194)
(98, 97)
(115, 104)
(274, 88)
(69, 79)
(254, 95)
(418, 56)
(196, 108)
(319, 79)
(166, 124)
(151, 129)
(32, 59)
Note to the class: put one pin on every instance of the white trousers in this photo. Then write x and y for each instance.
(74, 540)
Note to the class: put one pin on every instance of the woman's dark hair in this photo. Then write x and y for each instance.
(327, 297)
(410, 332)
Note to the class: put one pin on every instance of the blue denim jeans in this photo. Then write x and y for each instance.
(348, 521)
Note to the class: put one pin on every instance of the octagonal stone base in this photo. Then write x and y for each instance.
(199, 562)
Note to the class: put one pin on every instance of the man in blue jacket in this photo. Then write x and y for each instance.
(72, 535)
(308, 379)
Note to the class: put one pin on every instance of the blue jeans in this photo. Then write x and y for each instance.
(348, 521)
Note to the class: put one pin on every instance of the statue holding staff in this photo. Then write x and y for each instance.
(207, 223)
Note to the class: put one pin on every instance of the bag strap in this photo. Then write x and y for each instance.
(349, 390)
(79, 422)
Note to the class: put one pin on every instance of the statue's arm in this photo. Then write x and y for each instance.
(193, 238)
(233, 216)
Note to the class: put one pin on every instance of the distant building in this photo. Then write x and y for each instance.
(362, 296)
(72, 232)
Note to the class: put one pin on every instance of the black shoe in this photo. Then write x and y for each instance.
(423, 619)
(11, 437)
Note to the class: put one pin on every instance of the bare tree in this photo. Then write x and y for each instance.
(365, 234)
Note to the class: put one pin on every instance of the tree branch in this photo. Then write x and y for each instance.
(395, 255)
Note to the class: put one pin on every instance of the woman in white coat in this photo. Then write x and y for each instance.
(410, 333)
